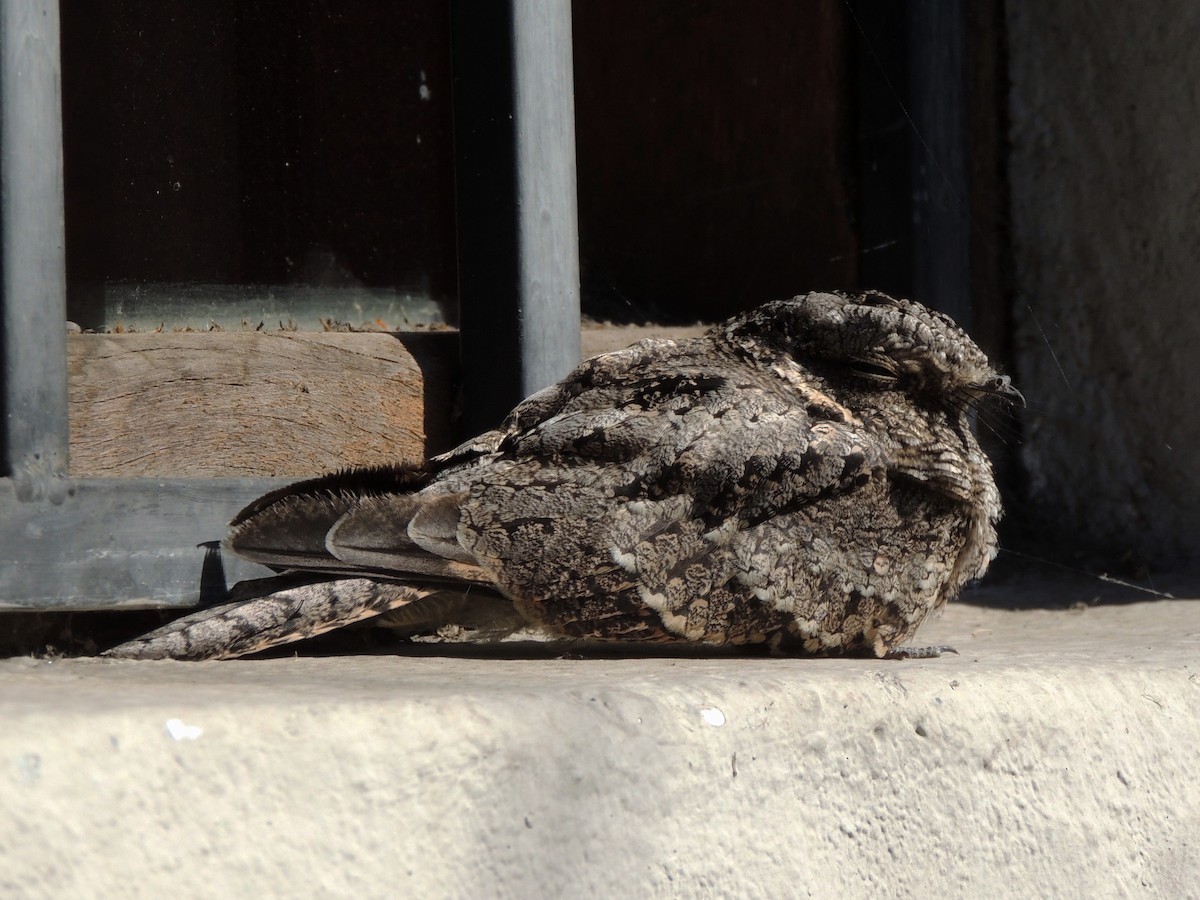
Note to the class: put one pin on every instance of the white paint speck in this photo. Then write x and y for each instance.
(29, 768)
(181, 732)
(712, 716)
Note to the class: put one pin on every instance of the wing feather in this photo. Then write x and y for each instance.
(412, 534)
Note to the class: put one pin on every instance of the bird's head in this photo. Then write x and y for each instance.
(874, 339)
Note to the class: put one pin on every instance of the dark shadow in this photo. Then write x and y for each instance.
(213, 586)
(1019, 580)
(437, 356)
(365, 640)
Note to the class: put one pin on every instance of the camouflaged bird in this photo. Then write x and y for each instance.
(802, 476)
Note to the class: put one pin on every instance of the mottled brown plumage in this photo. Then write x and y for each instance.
(804, 476)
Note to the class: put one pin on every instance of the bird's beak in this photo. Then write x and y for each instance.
(1002, 388)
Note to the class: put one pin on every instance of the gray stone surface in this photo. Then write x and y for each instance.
(1055, 756)
(1105, 187)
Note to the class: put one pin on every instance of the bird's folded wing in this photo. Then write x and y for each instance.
(290, 533)
(288, 528)
(405, 534)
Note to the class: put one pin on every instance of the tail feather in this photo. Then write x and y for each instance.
(353, 545)
(292, 614)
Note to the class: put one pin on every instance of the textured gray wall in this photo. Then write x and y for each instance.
(1105, 180)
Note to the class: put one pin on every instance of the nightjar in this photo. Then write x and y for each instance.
(803, 476)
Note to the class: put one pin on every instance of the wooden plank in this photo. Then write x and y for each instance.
(256, 404)
(119, 544)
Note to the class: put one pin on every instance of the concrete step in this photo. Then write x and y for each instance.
(1057, 755)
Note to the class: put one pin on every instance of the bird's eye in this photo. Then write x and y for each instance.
(874, 298)
(873, 371)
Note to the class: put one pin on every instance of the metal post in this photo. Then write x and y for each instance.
(518, 237)
(32, 256)
(937, 64)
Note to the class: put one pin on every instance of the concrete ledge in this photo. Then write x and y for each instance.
(1056, 756)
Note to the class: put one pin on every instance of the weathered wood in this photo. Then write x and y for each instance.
(256, 404)
(270, 403)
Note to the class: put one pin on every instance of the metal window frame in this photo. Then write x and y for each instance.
(75, 544)
(915, 192)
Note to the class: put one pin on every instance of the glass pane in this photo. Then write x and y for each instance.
(274, 162)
